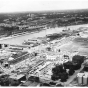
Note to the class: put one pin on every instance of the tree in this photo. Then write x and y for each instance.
(0, 46)
(64, 76)
(15, 83)
(4, 81)
(54, 77)
(57, 72)
(71, 71)
(58, 69)
(76, 66)
(68, 65)
(78, 59)
(85, 68)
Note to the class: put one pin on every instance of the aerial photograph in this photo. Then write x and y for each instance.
(43, 43)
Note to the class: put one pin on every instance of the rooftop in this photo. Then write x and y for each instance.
(15, 76)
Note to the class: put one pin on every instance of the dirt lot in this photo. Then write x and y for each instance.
(79, 45)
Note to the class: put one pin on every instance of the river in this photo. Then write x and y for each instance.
(18, 40)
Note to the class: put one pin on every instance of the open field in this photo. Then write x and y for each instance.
(79, 45)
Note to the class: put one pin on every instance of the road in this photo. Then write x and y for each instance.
(30, 84)
(73, 76)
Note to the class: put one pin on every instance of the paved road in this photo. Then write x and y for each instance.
(30, 84)
(73, 76)
(34, 84)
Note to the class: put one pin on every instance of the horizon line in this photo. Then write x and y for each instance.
(43, 11)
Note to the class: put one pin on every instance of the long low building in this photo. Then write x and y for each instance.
(17, 59)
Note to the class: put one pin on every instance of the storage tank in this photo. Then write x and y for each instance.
(85, 79)
(80, 78)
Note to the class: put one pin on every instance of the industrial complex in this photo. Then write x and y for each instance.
(44, 49)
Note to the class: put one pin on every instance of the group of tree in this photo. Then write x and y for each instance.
(9, 30)
(67, 69)
(59, 73)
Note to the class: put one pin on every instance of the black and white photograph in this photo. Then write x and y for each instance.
(43, 43)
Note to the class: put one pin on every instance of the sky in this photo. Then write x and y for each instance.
(41, 5)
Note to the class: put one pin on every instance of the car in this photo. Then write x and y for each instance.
(27, 83)
(44, 84)
(59, 85)
(52, 83)
(33, 78)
